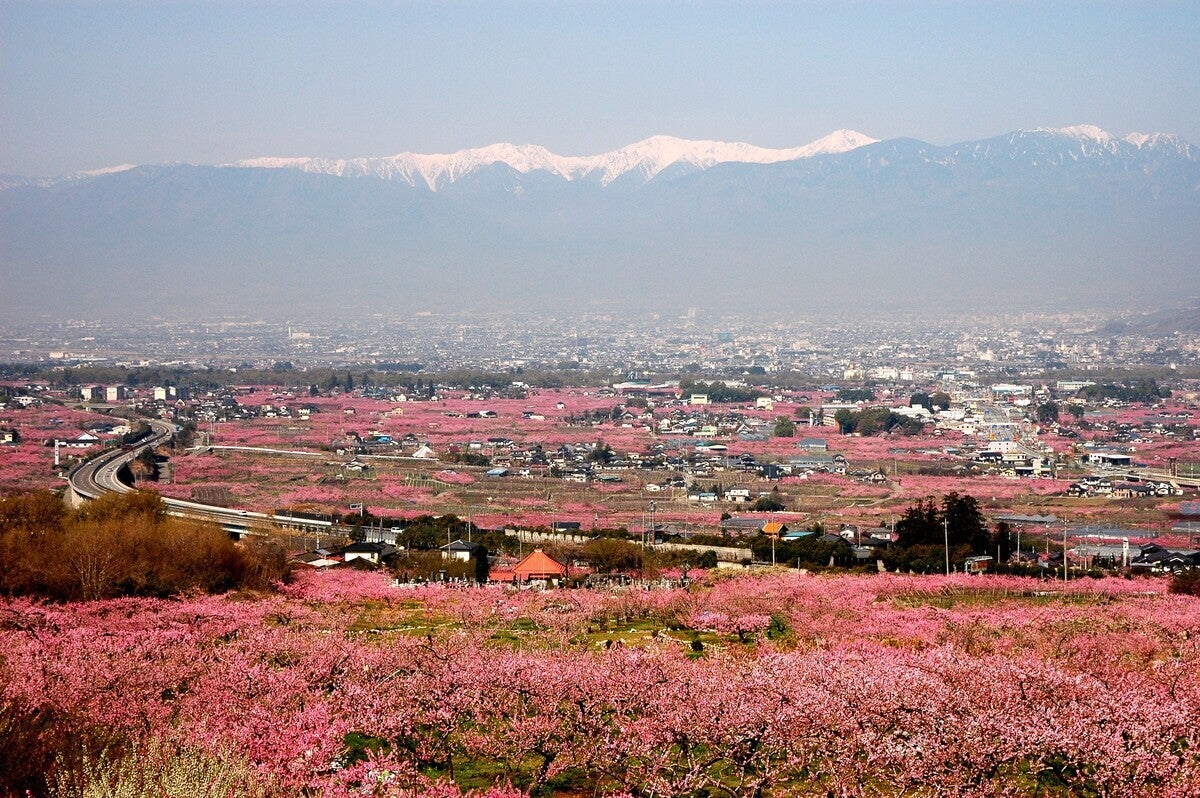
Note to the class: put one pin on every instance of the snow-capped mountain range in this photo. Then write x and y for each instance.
(641, 162)
(1072, 214)
(1049, 146)
(644, 159)
(1102, 138)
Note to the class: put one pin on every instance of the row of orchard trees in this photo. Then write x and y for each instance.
(121, 544)
(303, 706)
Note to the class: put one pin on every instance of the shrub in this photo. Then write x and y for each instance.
(123, 545)
(1185, 582)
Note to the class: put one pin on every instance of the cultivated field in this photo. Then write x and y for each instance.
(775, 684)
(399, 486)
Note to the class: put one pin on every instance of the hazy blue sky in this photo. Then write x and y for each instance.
(96, 84)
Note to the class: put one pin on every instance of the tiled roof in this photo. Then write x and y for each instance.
(539, 565)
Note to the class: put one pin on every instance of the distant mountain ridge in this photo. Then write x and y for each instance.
(1071, 217)
(650, 157)
(644, 159)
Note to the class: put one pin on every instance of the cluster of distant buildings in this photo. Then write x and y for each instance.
(536, 569)
(123, 393)
(1114, 489)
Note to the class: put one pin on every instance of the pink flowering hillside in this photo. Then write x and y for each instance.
(343, 685)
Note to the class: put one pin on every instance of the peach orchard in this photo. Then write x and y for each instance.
(775, 684)
(912, 466)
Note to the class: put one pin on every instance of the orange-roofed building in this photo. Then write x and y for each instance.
(774, 529)
(538, 567)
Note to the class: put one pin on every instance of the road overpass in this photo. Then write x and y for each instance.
(1146, 475)
(101, 474)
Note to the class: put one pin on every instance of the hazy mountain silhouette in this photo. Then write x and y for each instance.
(1041, 219)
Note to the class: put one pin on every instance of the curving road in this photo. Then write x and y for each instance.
(98, 476)
(94, 478)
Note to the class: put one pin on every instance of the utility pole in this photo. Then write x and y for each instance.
(946, 534)
(1065, 576)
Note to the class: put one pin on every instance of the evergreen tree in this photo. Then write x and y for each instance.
(921, 525)
(920, 399)
(1047, 413)
(958, 517)
(966, 523)
(1002, 541)
(846, 420)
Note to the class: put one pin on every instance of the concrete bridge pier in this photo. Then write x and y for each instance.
(73, 498)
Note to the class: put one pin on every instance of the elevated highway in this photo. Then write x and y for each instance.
(1145, 475)
(101, 474)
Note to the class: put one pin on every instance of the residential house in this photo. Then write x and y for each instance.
(817, 461)
(374, 553)
(1114, 459)
(738, 495)
(464, 552)
(744, 525)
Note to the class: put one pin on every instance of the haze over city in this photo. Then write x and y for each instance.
(188, 154)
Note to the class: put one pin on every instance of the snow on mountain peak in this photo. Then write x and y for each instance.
(1147, 140)
(108, 170)
(645, 158)
(1092, 139)
(413, 168)
(837, 142)
(1082, 132)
